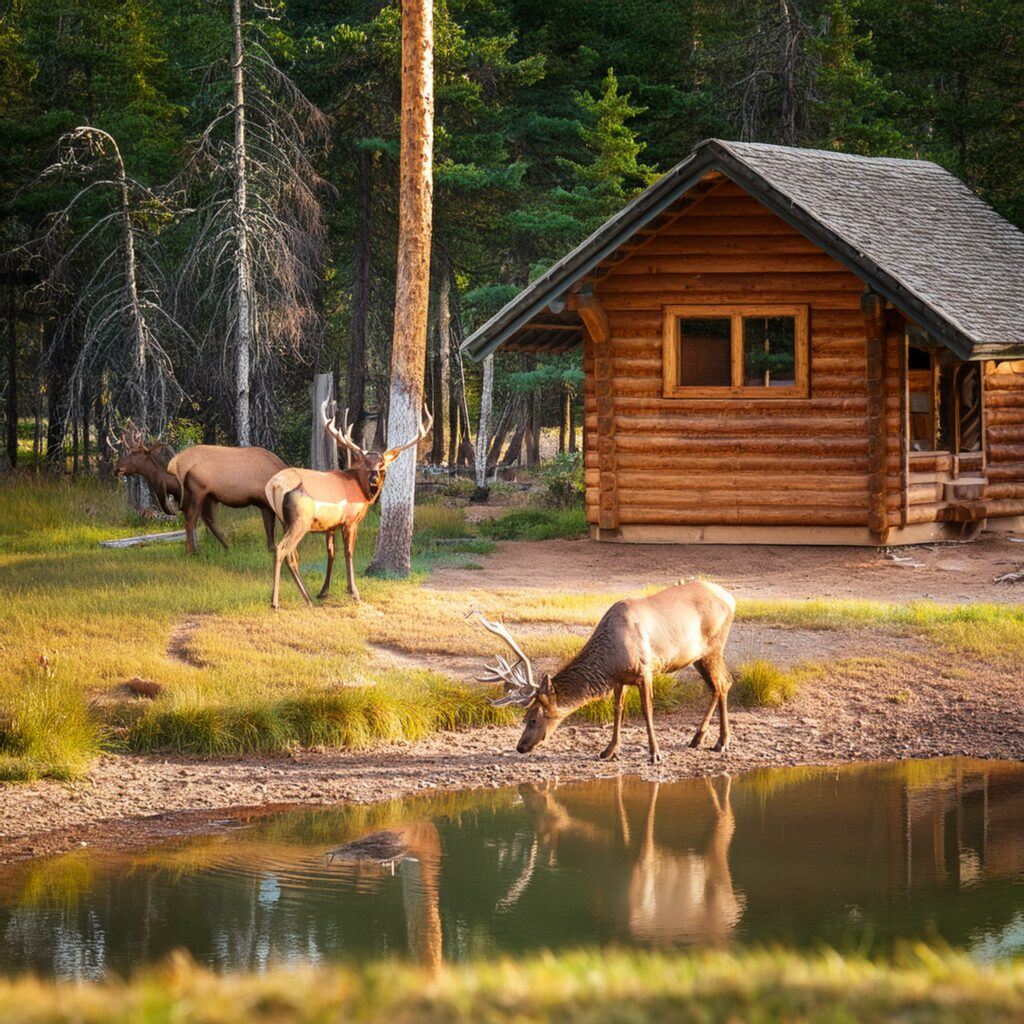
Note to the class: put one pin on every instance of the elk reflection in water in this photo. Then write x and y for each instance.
(866, 857)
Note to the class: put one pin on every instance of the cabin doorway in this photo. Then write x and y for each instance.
(945, 458)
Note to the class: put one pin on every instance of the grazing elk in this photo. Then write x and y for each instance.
(212, 474)
(683, 625)
(312, 501)
(150, 461)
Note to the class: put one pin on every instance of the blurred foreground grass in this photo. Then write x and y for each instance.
(922, 987)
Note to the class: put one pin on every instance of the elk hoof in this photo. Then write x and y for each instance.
(609, 754)
(720, 746)
(697, 740)
(655, 757)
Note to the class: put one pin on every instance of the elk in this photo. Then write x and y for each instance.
(686, 624)
(209, 474)
(150, 461)
(314, 501)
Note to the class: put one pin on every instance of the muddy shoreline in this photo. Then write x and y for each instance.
(921, 709)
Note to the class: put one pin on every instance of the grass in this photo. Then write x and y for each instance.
(536, 524)
(758, 987)
(46, 729)
(236, 678)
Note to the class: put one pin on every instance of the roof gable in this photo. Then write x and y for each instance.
(909, 229)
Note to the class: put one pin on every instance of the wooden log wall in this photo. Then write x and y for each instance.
(743, 461)
(1004, 438)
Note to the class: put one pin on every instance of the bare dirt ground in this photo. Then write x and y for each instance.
(941, 572)
(889, 697)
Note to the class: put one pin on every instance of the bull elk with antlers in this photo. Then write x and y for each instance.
(149, 460)
(687, 624)
(312, 501)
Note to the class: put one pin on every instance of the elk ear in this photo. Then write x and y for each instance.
(546, 693)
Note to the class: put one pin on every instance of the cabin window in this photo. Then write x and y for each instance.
(735, 351)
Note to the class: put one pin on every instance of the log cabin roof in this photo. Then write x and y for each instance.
(908, 228)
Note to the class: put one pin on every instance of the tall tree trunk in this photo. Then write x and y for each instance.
(563, 419)
(533, 433)
(243, 276)
(412, 295)
(789, 84)
(86, 427)
(572, 426)
(444, 347)
(483, 434)
(360, 291)
(12, 377)
(323, 452)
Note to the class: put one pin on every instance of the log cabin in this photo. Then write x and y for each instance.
(792, 346)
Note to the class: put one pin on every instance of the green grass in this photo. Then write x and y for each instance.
(46, 729)
(351, 717)
(536, 524)
(922, 987)
(761, 683)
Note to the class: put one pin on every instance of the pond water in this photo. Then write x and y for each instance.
(860, 857)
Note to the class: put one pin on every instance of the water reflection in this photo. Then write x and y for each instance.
(865, 856)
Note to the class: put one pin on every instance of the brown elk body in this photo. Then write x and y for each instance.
(211, 474)
(687, 624)
(313, 501)
(150, 461)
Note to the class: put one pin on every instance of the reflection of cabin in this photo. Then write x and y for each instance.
(779, 338)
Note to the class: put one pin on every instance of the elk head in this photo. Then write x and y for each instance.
(542, 714)
(370, 468)
(131, 449)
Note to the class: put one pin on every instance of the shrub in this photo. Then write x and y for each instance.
(563, 479)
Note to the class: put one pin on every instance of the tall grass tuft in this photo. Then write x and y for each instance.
(349, 717)
(670, 694)
(46, 728)
(763, 684)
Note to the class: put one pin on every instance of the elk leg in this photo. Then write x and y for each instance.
(293, 568)
(647, 704)
(612, 750)
(723, 681)
(268, 526)
(349, 534)
(192, 510)
(209, 510)
(329, 537)
(698, 736)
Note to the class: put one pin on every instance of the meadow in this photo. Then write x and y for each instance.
(79, 621)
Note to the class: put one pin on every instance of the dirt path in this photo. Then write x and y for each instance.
(946, 572)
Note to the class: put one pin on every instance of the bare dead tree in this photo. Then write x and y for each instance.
(254, 263)
(102, 272)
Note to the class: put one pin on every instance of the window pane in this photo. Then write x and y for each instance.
(705, 352)
(769, 351)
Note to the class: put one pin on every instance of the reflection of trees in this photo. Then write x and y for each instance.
(414, 850)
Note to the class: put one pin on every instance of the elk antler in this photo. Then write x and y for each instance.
(517, 676)
(342, 437)
(425, 424)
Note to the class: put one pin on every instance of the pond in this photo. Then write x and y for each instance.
(861, 857)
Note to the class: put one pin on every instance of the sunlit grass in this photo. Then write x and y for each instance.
(762, 683)
(536, 524)
(921, 986)
(46, 729)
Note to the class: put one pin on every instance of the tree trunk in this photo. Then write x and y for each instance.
(86, 427)
(500, 433)
(442, 406)
(323, 452)
(563, 420)
(360, 291)
(533, 434)
(572, 426)
(392, 555)
(243, 282)
(12, 378)
(483, 434)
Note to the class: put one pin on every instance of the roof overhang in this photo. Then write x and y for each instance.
(550, 290)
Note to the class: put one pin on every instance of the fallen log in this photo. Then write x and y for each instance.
(146, 538)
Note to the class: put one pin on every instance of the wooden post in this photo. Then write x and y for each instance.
(596, 322)
(323, 452)
(873, 309)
